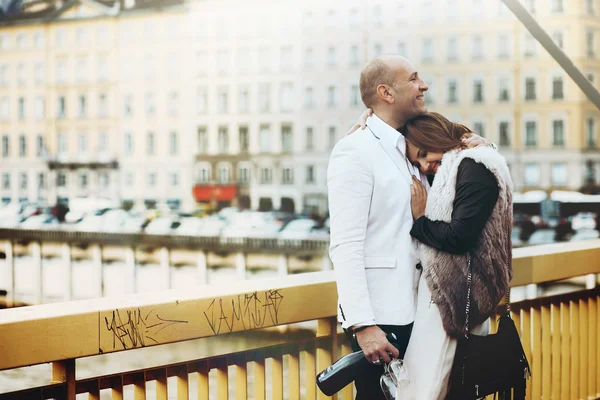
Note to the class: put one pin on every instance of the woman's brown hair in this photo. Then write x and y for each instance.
(435, 133)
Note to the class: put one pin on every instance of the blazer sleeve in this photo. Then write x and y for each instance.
(350, 187)
(476, 195)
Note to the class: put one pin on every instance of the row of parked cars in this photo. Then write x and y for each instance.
(227, 223)
(535, 231)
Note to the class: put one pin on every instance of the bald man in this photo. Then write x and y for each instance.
(374, 257)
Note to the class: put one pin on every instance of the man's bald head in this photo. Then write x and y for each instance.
(381, 70)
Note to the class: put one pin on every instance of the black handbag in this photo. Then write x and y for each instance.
(494, 364)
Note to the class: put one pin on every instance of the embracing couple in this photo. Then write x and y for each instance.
(400, 245)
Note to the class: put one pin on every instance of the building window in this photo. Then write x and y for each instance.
(22, 146)
(264, 59)
(202, 140)
(589, 7)
(4, 75)
(331, 96)
(504, 134)
(222, 61)
(5, 146)
(201, 100)
(266, 175)
(40, 108)
(83, 180)
(202, 63)
(223, 140)
(23, 181)
(173, 104)
(503, 90)
(590, 172)
(530, 89)
(152, 179)
(62, 143)
(354, 95)
(82, 143)
(530, 45)
(150, 143)
(557, 6)
(264, 97)
(530, 134)
(287, 177)
(286, 96)
(377, 50)
(309, 138)
(332, 137)
(532, 174)
(223, 175)
(557, 37)
(558, 173)
(287, 58)
(21, 108)
(286, 138)
(102, 142)
(310, 174)
(477, 47)
(308, 98)
(243, 176)
(41, 146)
(128, 105)
(452, 49)
(173, 143)
(203, 175)
(41, 180)
(150, 104)
(104, 180)
(102, 68)
(265, 138)
(589, 36)
(4, 109)
(127, 143)
(309, 57)
(479, 128)
(557, 88)
(558, 133)
(427, 50)
(82, 106)
(478, 91)
(590, 133)
(6, 180)
(244, 140)
(82, 69)
(503, 46)
(354, 57)
(331, 62)
(452, 92)
(243, 99)
(102, 106)
(61, 179)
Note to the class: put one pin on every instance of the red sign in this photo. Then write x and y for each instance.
(215, 192)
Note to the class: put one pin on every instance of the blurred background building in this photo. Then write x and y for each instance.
(185, 102)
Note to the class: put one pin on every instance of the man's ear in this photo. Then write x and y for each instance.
(384, 93)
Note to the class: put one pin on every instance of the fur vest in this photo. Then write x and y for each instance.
(446, 273)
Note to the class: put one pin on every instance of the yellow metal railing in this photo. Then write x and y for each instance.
(560, 335)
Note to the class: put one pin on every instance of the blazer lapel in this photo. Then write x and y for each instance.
(393, 152)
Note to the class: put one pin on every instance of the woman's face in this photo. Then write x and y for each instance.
(427, 162)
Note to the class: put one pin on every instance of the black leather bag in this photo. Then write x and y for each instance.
(494, 364)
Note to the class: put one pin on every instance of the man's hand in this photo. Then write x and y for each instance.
(418, 198)
(375, 346)
(362, 121)
(471, 140)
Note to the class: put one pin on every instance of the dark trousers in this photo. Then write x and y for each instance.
(367, 385)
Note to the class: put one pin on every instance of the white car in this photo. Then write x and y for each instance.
(160, 226)
(190, 226)
(583, 220)
(301, 229)
(40, 221)
(585, 234)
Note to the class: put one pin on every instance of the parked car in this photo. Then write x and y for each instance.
(162, 225)
(301, 229)
(585, 234)
(515, 237)
(40, 221)
(583, 220)
(542, 236)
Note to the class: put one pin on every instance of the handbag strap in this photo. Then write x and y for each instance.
(470, 280)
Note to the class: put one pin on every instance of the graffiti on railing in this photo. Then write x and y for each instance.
(132, 328)
(251, 311)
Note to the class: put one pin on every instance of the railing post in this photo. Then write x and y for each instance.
(202, 268)
(38, 280)
(240, 265)
(98, 267)
(68, 268)
(326, 354)
(64, 372)
(10, 273)
(131, 266)
(283, 268)
(531, 291)
(590, 281)
(165, 266)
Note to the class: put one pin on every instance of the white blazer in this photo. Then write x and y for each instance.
(373, 254)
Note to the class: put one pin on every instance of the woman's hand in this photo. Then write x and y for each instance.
(362, 121)
(471, 140)
(418, 198)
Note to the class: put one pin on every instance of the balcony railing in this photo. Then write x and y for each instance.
(559, 333)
